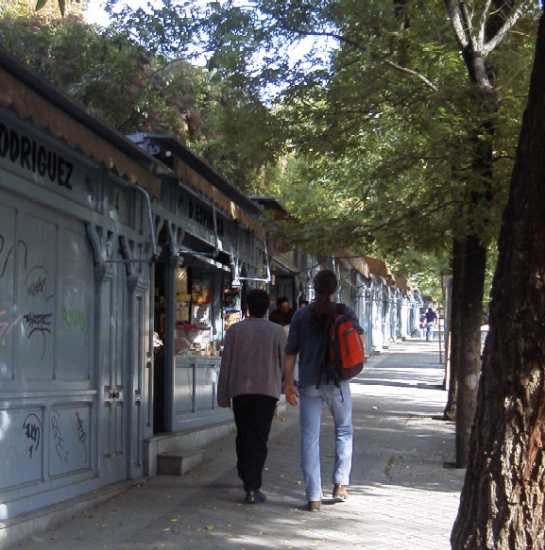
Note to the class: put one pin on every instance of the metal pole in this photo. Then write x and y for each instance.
(439, 337)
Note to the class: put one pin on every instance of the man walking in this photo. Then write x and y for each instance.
(430, 318)
(308, 338)
(251, 377)
(282, 314)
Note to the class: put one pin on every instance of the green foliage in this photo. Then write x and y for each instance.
(45, 9)
(112, 77)
(134, 89)
(383, 124)
(390, 130)
(368, 138)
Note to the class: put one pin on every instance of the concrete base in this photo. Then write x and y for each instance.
(31, 524)
(182, 443)
(178, 465)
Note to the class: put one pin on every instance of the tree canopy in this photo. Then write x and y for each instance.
(359, 117)
(133, 89)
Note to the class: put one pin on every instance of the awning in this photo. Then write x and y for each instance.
(402, 283)
(191, 177)
(351, 261)
(378, 268)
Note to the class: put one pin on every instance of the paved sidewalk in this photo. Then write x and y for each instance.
(402, 497)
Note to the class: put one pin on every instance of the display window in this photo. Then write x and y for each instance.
(194, 323)
(232, 309)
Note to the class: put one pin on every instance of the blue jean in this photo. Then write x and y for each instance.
(339, 402)
(429, 331)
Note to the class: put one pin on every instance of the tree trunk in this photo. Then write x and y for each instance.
(446, 290)
(468, 338)
(502, 505)
(468, 365)
(455, 324)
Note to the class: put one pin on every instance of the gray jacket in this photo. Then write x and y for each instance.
(252, 360)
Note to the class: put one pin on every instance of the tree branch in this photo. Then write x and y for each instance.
(329, 34)
(414, 73)
(455, 15)
(362, 48)
(467, 21)
(505, 28)
(482, 23)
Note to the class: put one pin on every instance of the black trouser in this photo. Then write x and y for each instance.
(253, 417)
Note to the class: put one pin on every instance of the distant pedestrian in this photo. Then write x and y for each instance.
(251, 378)
(282, 314)
(430, 317)
(308, 339)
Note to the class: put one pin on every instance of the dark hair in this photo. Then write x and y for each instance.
(258, 302)
(325, 284)
(281, 300)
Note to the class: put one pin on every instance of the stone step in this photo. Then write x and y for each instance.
(183, 443)
(178, 464)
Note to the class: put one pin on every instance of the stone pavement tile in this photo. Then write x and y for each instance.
(402, 497)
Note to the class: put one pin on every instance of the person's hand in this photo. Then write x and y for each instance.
(292, 395)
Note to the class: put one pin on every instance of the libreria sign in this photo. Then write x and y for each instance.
(34, 157)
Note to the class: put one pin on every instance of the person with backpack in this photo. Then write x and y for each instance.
(251, 382)
(328, 341)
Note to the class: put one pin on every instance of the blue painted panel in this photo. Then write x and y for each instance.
(183, 388)
(75, 312)
(37, 294)
(70, 439)
(195, 391)
(22, 442)
(205, 388)
(9, 316)
(62, 431)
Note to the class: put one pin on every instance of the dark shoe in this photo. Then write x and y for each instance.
(254, 497)
(314, 505)
(340, 492)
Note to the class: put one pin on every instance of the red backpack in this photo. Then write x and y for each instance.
(346, 352)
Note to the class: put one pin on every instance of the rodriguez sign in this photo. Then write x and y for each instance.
(34, 157)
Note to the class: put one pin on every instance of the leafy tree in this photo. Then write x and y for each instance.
(134, 89)
(48, 10)
(479, 27)
(502, 506)
(406, 128)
